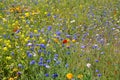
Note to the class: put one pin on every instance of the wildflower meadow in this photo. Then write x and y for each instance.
(59, 39)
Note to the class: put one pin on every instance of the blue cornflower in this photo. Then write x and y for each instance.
(47, 75)
(42, 46)
(58, 33)
(56, 55)
(95, 46)
(40, 63)
(66, 65)
(68, 53)
(55, 75)
(41, 58)
(30, 55)
(48, 61)
(49, 28)
(57, 62)
(32, 62)
(12, 53)
(96, 60)
(39, 51)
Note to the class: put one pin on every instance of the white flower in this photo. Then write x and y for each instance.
(88, 65)
(29, 44)
(72, 21)
(47, 66)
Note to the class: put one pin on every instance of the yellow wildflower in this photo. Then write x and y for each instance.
(5, 48)
(43, 41)
(11, 78)
(45, 12)
(69, 76)
(9, 46)
(80, 76)
(35, 31)
(27, 14)
(15, 70)
(8, 58)
(73, 40)
(55, 40)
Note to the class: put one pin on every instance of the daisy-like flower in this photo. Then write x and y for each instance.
(88, 65)
(69, 76)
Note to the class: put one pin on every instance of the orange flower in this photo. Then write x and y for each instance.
(69, 76)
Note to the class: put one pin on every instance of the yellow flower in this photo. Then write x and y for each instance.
(11, 79)
(15, 70)
(8, 58)
(5, 48)
(43, 41)
(81, 6)
(35, 31)
(45, 12)
(27, 14)
(80, 76)
(69, 76)
(56, 40)
(73, 40)
(9, 46)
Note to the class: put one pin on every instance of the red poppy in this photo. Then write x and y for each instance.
(64, 41)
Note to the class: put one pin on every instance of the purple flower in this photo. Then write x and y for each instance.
(95, 46)
(97, 70)
(83, 46)
(99, 75)
(68, 36)
(96, 60)
(19, 73)
(48, 14)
